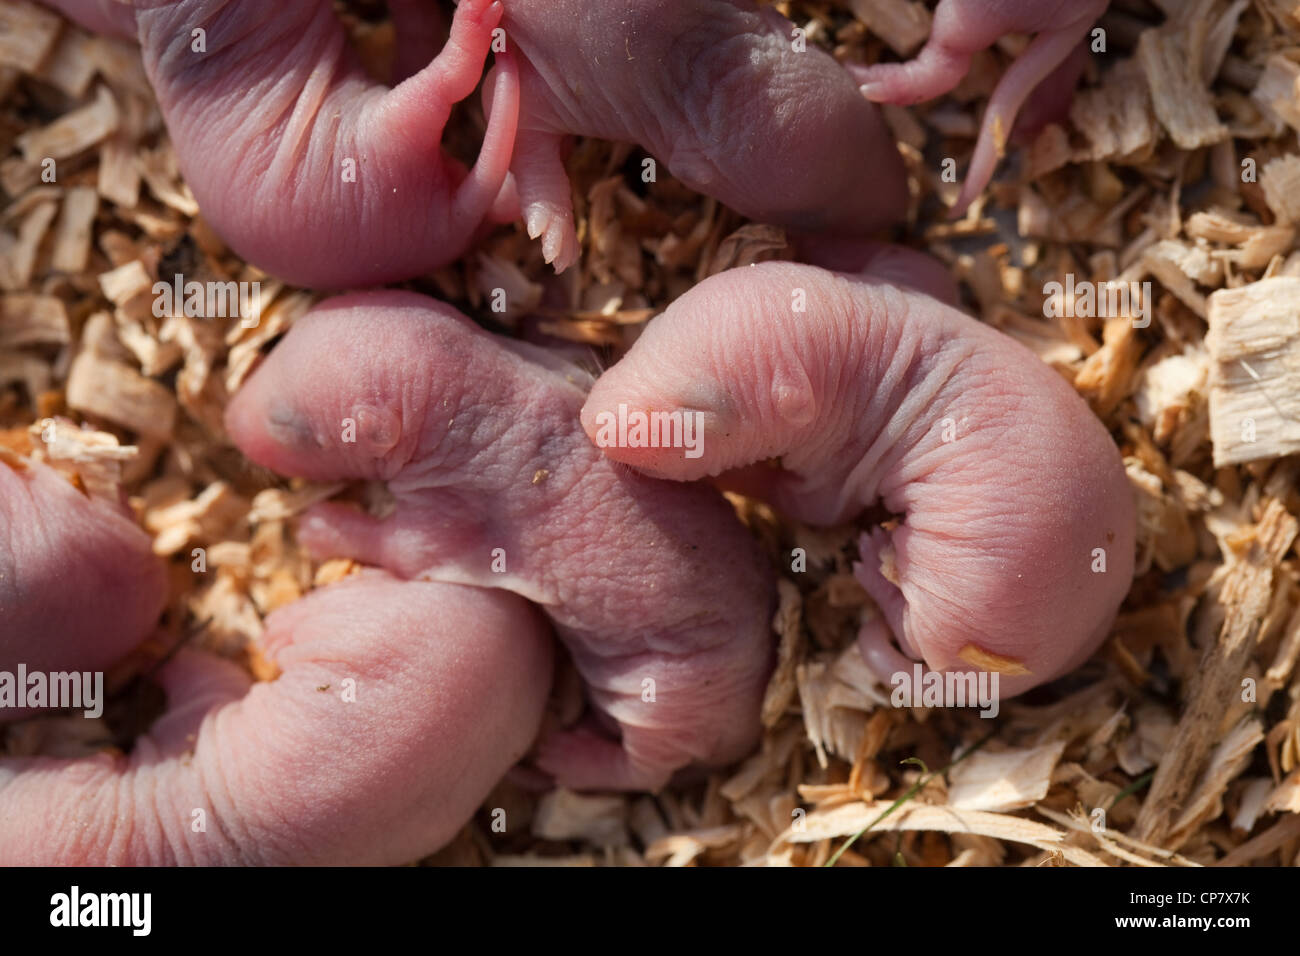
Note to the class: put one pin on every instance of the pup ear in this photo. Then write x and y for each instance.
(718, 382)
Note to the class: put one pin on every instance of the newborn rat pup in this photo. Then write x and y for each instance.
(720, 91)
(302, 163)
(398, 707)
(961, 29)
(1016, 540)
(79, 583)
(657, 590)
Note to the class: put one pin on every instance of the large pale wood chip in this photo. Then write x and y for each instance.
(1288, 653)
(201, 519)
(119, 176)
(1245, 597)
(1285, 13)
(1106, 376)
(835, 698)
(1254, 346)
(1179, 96)
(69, 68)
(903, 24)
(1256, 243)
(1254, 794)
(509, 292)
(73, 234)
(1007, 780)
(118, 393)
(1164, 533)
(1170, 387)
(1116, 118)
(783, 686)
(72, 132)
(27, 319)
(1278, 90)
(20, 257)
(564, 815)
(1228, 760)
(158, 167)
(1280, 180)
(27, 34)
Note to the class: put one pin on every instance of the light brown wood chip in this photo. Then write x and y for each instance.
(1277, 89)
(849, 819)
(1006, 780)
(72, 236)
(1254, 346)
(72, 132)
(27, 34)
(783, 686)
(69, 68)
(118, 393)
(20, 258)
(1280, 180)
(564, 815)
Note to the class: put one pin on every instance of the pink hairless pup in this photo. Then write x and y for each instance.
(658, 592)
(720, 91)
(1015, 541)
(268, 118)
(399, 706)
(306, 166)
(963, 28)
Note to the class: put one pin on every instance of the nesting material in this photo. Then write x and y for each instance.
(27, 35)
(1178, 96)
(1175, 169)
(1254, 344)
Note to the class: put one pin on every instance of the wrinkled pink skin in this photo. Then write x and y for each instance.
(961, 29)
(996, 546)
(70, 567)
(478, 440)
(450, 683)
(713, 89)
(264, 121)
